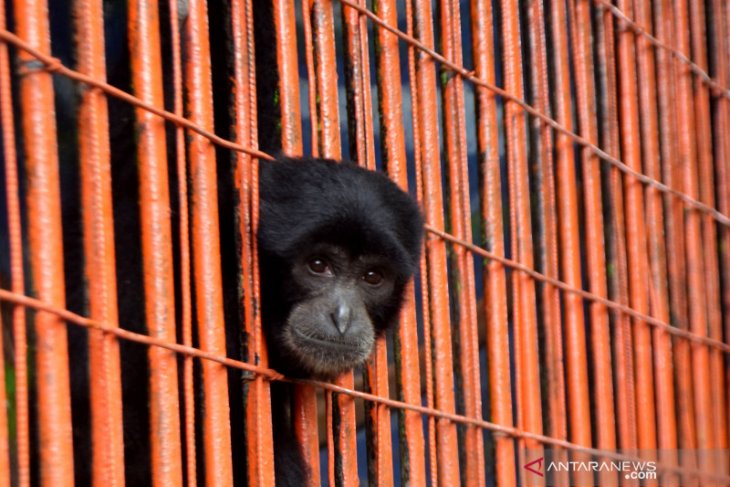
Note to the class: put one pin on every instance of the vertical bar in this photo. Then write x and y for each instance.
(17, 284)
(709, 233)
(288, 65)
(325, 61)
(144, 45)
(676, 266)
(523, 287)
(4, 437)
(577, 366)
(594, 228)
(618, 285)
(495, 283)
(460, 218)
(186, 318)
(311, 76)
(344, 468)
(636, 232)
(418, 148)
(659, 298)
(406, 350)
(548, 221)
(446, 440)
(206, 249)
(304, 410)
(46, 246)
(721, 72)
(257, 395)
(362, 150)
(357, 80)
(96, 195)
(695, 259)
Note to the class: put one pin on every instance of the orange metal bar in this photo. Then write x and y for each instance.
(623, 360)
(186, 318)
(259, 435)
(446, 440)
(104, 367)
(4, 437)
(17, 284)
(343, 467)
(594, 229)
(552, 320)
(495, 279)
(415, 96)
(529, 415)
(460, 219)
(696, 291)
(311, 76)
(406, 350)
(636, 234)
(46, 246)
(362, 150)
(304, 410)
(325, 61)
(206, 249)
(664, 24)
(577, 368)
(663, 361)
(144, 45)
(721, 30)
(709, 232)
(288, 65)
(357, 74)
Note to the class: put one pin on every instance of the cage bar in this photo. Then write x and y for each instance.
(206, 249)
(186, 312)
(658, 292)
(104, 359)
(595, 245)
(529, 416)
(695, 259)
(709, 234)
(144, 45)
(446, 463)
(676, 266)
(408, 376)
(45, 246)
(15, 257)
(548, 235)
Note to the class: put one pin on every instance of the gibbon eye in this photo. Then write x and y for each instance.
(318, 266)
(374, 278)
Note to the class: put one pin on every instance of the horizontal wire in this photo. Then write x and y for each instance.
(716, 87)
(710, 342)
(466, 74)
(54, 65)
(273, 375)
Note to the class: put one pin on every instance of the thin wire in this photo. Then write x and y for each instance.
(273, 375)
(716, 214)
(580, 292)
(717, 88)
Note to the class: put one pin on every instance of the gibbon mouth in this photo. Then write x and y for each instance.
(330, 344)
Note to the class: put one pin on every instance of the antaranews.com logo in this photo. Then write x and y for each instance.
(560, 467)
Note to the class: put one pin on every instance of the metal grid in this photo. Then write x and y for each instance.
(600, 226)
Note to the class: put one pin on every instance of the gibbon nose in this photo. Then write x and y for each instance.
(342, 317)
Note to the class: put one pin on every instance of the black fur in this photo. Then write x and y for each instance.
(309, 201)
(306, 203)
